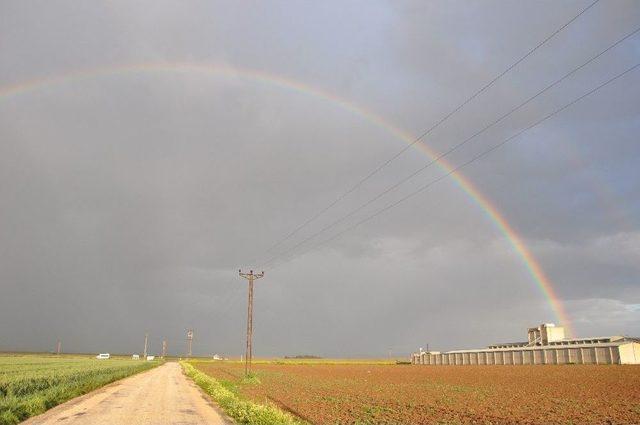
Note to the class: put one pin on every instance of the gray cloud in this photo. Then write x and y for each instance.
(130, 200)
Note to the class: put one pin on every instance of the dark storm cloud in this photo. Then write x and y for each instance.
(130, 200)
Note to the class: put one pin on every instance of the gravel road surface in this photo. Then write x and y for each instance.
(161, 396)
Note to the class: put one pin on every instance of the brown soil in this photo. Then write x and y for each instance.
(444, 394)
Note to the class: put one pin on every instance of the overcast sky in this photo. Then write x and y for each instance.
(130, 199)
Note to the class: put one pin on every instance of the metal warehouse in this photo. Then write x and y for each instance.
(546, 345)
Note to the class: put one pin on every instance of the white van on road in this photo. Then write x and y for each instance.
(103, 356)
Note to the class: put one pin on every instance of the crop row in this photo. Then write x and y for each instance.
(29, 388)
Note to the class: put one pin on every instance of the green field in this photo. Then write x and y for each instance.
(31, 384)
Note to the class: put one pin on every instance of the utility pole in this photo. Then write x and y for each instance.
(59, 348)
(164, 348)
(249, 352)
(189, 342)
(146, 338)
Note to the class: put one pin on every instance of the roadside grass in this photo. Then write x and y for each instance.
(30, 385)
(243, 411)
(250, 379)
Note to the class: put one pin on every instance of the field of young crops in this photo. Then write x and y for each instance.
(31, 384)
(362, 393)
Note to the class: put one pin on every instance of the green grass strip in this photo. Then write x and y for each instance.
(17, 405)
(242, 411)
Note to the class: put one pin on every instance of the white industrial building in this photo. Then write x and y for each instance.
(546, 344)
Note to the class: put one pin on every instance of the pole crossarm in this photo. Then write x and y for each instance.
(251, 275)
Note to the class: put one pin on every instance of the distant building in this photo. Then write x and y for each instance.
(546, 344)
(135, 357)
(103, 356)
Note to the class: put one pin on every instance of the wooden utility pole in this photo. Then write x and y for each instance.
(146, 338)
(164, 348)
(249, 352)
(189, 342)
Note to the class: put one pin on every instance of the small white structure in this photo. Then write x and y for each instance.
(149, 358)
(216, 357)
(103, 356)
(135, 357)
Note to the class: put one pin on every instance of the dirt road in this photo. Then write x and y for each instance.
(161, 396)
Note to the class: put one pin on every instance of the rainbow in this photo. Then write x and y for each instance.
(491, 211)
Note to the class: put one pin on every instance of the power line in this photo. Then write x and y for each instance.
(427, 132)
(472, 160)
(452, 149)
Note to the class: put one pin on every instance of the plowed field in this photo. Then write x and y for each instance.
(360, 393)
